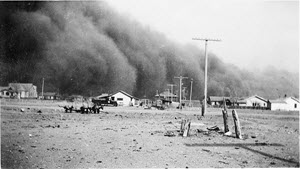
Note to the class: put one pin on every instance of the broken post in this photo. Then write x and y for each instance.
(187, 127)
(225, 117)
(183, 121)
(237, 126)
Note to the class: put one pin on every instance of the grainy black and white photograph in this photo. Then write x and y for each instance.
(149, 84)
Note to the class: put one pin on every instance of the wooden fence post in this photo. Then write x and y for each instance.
(185, 127)
(225, 117)
(183, 121)
(237, 126)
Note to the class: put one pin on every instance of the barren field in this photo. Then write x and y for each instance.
(127, 137)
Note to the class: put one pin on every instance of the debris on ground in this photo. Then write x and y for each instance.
(170, 134)
(214, 128)
(223, 162)
(229, 133)
(205, 150)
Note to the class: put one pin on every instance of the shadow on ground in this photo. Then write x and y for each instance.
(245, 146)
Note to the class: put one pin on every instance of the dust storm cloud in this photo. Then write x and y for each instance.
(87, 48)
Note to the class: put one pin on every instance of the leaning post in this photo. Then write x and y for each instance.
(237, 126)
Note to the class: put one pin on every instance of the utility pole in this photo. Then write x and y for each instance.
(191, 92)
(183, 92)
(172, 85)
(168, 94)
(180, 84)
(43, 88)
(205, 77)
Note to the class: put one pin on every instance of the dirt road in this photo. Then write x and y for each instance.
(133, 137)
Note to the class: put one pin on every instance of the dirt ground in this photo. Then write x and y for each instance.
(130, 137)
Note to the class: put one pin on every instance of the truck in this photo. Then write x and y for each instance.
(104, 101)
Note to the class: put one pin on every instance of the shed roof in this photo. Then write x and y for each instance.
(4, 88)
(103, 95)
(50, 94)
(168, 94)
(278, 101)
(218, 98)
(260, 98)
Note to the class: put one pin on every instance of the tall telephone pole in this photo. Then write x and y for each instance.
(191, 92)
(172, 85)
(180, 84)
(205, 77)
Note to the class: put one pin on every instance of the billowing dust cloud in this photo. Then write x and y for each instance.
(87, 48)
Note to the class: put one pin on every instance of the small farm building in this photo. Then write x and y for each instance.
(167, 95)
(285, 104)
(7, 92)
(218, 100)
(50, 96)
(277, 105)
(125, 99)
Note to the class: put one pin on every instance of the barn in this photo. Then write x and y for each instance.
(125, 99)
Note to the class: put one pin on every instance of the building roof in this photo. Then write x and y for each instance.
(283, 100)
(4, 88)
(218, 98)
(50, 94)
(241, 101)
(121, 91)
(297, 100)
(167, 94)
(277, 101)
(21, 86)
(76, 96)
(260, 98)
(103, 95)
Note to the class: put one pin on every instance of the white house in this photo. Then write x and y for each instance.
(125, 99)
(292, 104)
(254, 101)
(285, 104)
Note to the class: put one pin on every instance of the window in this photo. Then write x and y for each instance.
(120, 99)
(295, 106)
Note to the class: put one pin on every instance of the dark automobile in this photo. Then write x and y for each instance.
(104, 102)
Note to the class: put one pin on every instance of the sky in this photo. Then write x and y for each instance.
(255, 34)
